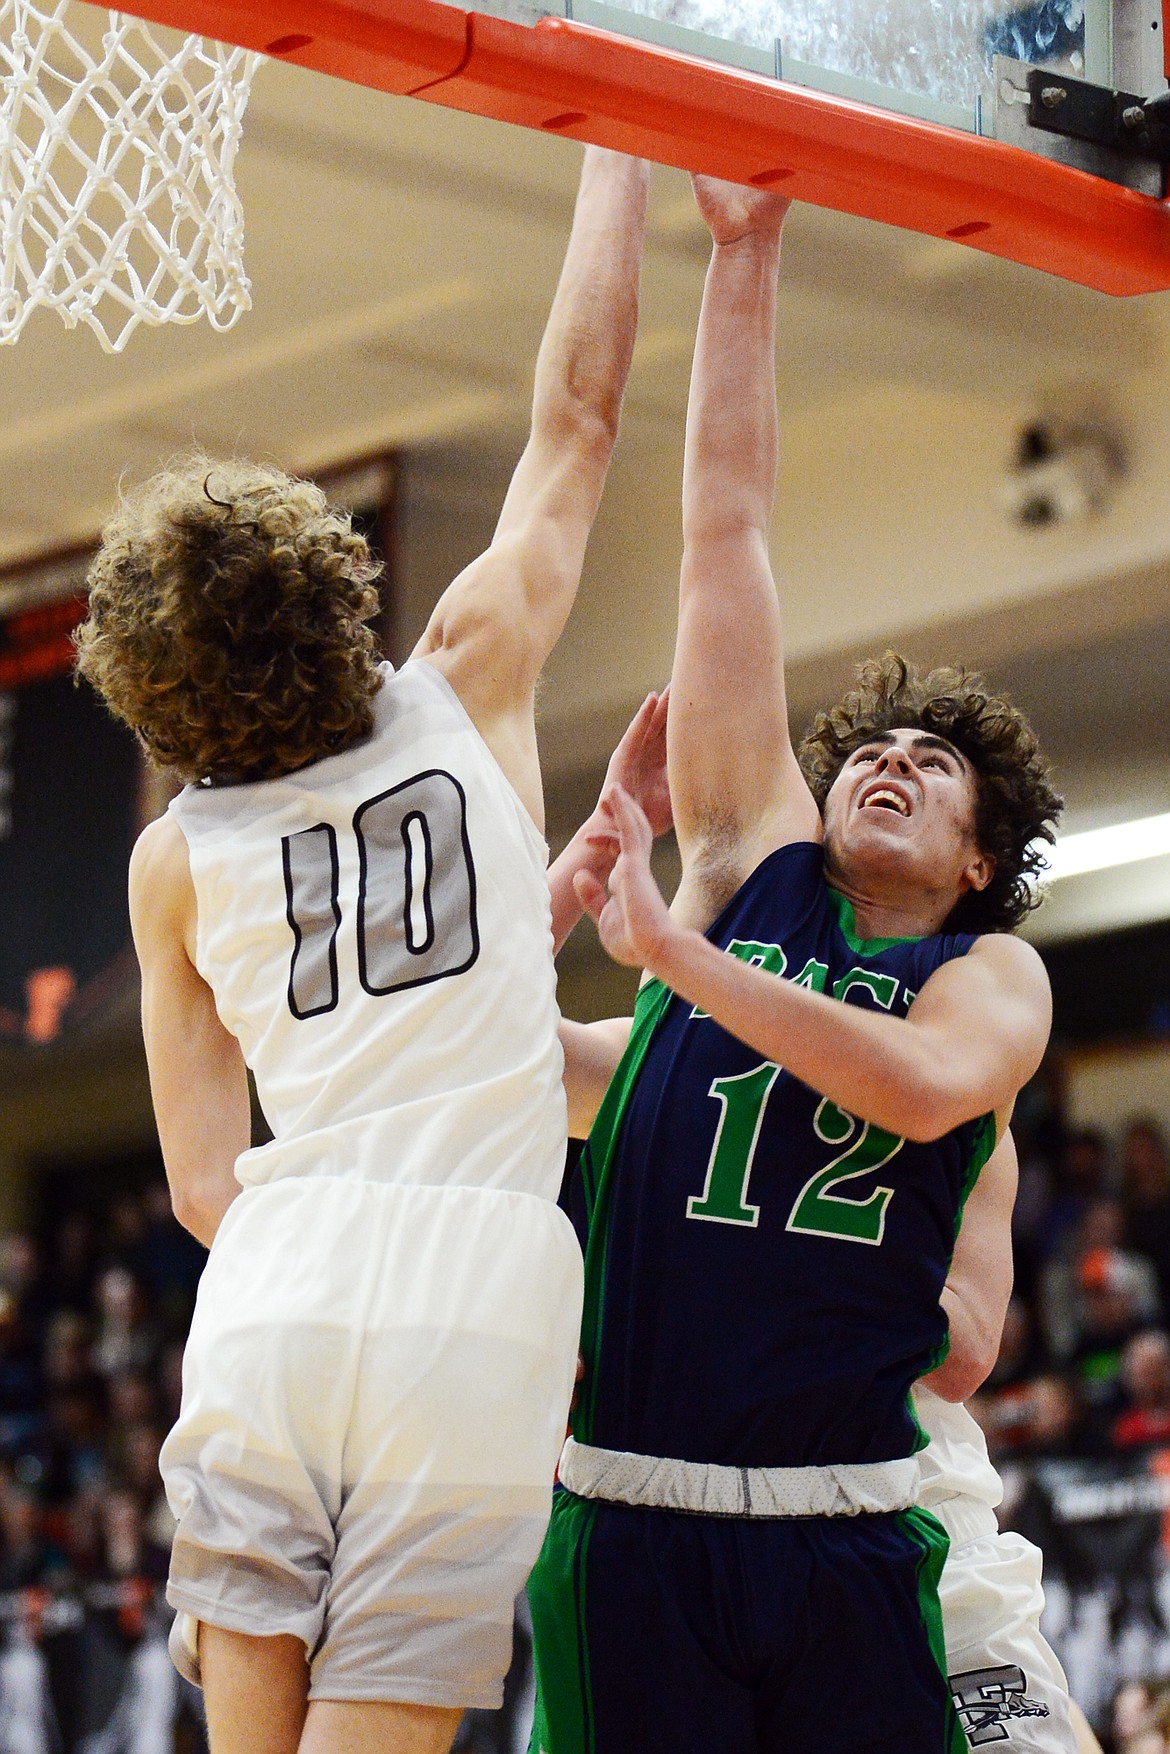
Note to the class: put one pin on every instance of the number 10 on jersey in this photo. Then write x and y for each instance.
(416, 913)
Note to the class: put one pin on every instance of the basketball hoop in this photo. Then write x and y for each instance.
(117, 204)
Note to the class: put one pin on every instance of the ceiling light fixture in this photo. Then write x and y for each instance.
(1099, 849)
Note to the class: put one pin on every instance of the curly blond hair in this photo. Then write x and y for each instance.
(1016, 806)
(226, 622)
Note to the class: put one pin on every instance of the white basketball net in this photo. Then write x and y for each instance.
(117, 205)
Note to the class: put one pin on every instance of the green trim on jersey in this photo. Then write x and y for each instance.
(928, 1535)
(847, 926)
(597, 1162)
(563, 1723)
(983, 1143)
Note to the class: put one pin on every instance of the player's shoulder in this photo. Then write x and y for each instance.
(160, 869)
(1011, 960)
(160, 845)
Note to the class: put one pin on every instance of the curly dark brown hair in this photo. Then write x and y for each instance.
(1016, 804)
(226, 623)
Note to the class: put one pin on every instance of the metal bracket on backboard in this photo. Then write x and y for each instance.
(1108, 133)
(1118, 120)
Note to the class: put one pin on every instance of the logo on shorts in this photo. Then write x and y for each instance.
(987, 1699)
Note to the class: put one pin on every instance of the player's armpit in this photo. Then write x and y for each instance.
(198, 1081)
(979, 1283)
(592, 1054)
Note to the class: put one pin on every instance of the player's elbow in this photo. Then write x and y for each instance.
(934, 1098)
(199, 1208)
(189, 1212)
(966, 1368)
(974, 1329)
(923, 1117)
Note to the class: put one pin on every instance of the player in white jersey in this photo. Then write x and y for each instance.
(1008, 1686)
(349, 898)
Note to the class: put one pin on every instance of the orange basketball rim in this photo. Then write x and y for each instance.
(566, 78)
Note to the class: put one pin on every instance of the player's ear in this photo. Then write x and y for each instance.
(978, 872)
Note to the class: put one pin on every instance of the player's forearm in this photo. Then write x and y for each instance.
(882, 1069)
(204, 1115)
(729, 473)
(567, 907)
(593, 1052)
(588, 344)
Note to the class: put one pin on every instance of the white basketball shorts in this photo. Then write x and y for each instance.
(375, 1393)
(1009, 1689)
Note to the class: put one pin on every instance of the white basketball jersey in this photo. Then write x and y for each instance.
(376, 931)
(959, 1483)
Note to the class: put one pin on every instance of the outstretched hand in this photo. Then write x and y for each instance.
(733, 211)
(638, 766)
(633, 920)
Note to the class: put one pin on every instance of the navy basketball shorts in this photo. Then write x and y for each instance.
(662, 1632)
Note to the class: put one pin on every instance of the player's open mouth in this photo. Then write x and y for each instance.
(881, 798)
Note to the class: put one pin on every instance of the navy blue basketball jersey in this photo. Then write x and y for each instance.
(763, 1270)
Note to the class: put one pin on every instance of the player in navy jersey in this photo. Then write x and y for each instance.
(835, 1028)
(1005, 1680)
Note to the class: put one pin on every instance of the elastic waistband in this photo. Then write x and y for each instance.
(709, 1489)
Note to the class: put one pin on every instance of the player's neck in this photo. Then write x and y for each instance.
(891, 910)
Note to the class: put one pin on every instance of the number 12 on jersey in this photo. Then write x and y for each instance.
(817, 1210)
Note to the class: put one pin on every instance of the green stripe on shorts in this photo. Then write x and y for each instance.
(597, 1162)
(929, 1536)
(556, 1594)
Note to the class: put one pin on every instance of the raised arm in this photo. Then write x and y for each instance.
(494, 627)
(198, 1081)
(737, 789)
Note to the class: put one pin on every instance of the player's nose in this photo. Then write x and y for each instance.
(894, 760)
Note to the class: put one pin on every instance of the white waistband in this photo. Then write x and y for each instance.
(708, 1489)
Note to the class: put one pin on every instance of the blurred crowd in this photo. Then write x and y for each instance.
(93, 1314)
(1084, 1368)
(96, 1300)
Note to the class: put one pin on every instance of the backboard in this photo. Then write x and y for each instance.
(993, 123)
